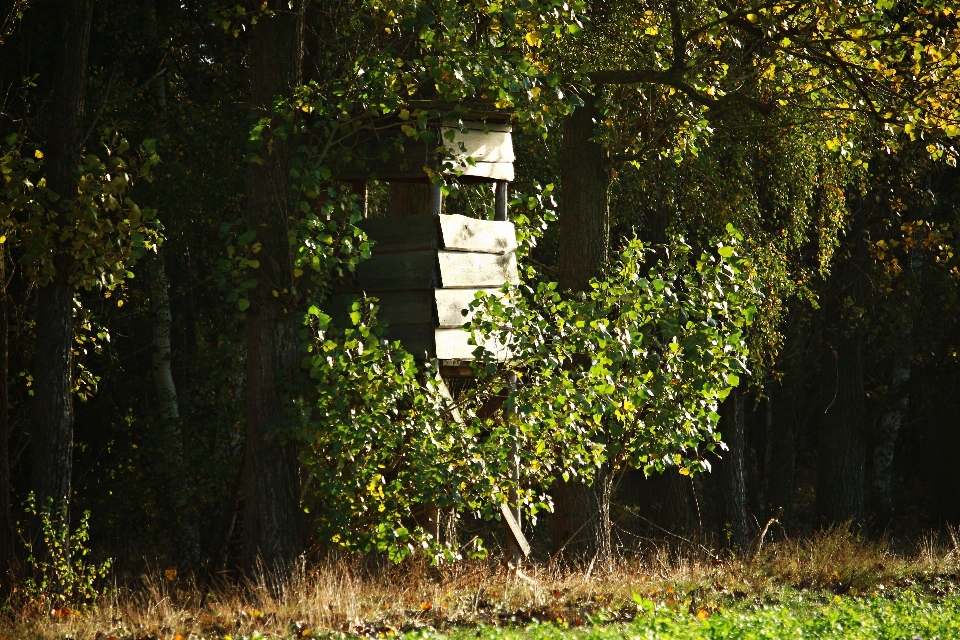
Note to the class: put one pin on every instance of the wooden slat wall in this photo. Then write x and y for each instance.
(417, 339)
(400, 271)
(401, 234)
(406, 307)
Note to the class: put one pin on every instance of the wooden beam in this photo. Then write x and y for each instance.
(501, 199)
(359, 187)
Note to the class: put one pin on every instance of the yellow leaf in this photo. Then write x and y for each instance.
(297, 273)
(533, 39)
(702, 615)
(119, 303)
(3, 239)
(38, 154)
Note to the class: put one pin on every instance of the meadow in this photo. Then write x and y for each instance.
(831, 585)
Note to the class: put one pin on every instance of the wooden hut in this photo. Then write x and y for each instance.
(426, 266)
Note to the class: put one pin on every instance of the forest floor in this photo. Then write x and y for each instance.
(830, 585)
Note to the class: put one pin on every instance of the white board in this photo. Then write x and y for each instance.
(461, 270)
(460, 233)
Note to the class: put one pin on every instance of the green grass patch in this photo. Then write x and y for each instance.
(875, 618)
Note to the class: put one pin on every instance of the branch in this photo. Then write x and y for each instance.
(675, 80)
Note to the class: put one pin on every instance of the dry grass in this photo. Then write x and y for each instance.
(355, 596)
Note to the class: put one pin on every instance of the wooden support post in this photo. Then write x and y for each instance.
(517, 545)
(436, 200)
(359, 187)
(500, 200)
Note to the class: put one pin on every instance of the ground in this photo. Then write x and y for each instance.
(832, 585)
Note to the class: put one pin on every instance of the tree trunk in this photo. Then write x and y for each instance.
(581, 523)
(584, 220)
(271, 511)
(886, 441)
(581, 519)
(6, 517)
(780, 455)
(52, 439)
(162, 371)
(734, 465)
(842, 446)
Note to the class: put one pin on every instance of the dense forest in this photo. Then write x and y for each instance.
(737, 230)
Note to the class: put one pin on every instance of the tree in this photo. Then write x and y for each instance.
(53, 436)
(271, 484)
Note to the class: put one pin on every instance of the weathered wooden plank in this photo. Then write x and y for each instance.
(490, 146)
(406, 307)
(406, 270)
(460, 233)
(453, 344)
(462, 270)
(514, 527)
(416, 339)
(408, 233)
(450, 303)
(482, 171)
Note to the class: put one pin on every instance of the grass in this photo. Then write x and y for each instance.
(830, 585)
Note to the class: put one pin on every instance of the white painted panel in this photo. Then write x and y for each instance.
(461, 233)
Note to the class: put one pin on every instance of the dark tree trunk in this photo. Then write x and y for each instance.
(584, 221)
(6, 517)
(886, 441)
(52, 438)
(780, 455)
(842, 446)
(734, 466)
(581, 520)
(271, 541)
(583, 512)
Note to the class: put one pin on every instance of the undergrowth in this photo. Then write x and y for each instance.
(680, 593)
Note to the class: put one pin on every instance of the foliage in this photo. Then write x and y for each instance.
(59, 572)
(630, 373)
(95, 237)
(379, 441)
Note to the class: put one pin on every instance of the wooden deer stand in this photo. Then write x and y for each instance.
(426, 267)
